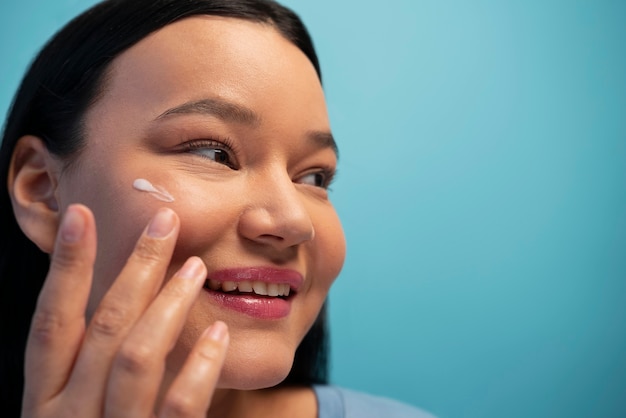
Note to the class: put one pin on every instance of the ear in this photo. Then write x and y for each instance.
(32, 183)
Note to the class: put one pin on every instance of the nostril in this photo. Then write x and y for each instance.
(269, 237)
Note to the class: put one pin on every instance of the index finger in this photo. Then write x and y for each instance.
(58, 323)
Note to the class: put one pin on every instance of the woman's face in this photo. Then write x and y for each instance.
(229, 118)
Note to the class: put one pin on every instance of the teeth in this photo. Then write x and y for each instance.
(260, 288)
(245, 286)
(272, 289)
(229, 286)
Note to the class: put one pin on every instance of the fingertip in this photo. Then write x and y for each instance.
(162, 224)
(217, 332)
(194, 268)
(75, 237)
(75, 221)
(72, 228)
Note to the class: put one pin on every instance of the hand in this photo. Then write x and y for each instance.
(114, 366)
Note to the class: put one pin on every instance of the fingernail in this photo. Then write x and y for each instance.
(192, 268)
(72, 226)
(217, 331)
(162, 224)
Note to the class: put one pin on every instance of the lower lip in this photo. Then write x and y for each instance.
(254, 306)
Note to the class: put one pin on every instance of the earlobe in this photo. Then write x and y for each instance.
(32, 184)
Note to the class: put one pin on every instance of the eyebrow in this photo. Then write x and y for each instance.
(324, 140)
(233, 112)
(223, 109)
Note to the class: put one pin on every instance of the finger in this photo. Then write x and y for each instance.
(191, 392)
(137, 370)
(58, 323)
(118, 311)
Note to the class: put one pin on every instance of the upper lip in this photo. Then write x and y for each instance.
(262, 274)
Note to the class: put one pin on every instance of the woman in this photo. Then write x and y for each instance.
(193, 136)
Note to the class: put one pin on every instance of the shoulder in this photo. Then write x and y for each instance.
(336, 402)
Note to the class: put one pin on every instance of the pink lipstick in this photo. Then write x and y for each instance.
(260, 292)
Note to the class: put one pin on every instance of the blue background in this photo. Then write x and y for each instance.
(482, 190)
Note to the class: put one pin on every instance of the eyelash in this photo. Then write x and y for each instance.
(223, 144)
(226, 145)
(328, 174)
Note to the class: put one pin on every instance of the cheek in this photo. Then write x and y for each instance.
(208, 223)
(122, 213)
(205, 215)
(329, 249)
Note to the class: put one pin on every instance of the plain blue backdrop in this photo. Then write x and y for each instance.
(482, 188)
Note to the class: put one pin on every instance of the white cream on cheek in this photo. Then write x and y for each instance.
(157, 192)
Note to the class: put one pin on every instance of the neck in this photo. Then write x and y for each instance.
(227, 403)
(281, 402)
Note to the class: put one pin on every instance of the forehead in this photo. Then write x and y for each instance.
(232, 59)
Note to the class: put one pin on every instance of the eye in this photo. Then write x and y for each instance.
(321, 178)
(218, 151)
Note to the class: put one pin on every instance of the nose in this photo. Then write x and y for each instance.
(275, 214)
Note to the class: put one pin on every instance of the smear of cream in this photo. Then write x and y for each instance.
(158, 192)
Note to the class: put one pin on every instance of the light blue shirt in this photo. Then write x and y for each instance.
(335, 402)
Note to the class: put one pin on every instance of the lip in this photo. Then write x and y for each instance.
(262, 274)
(250, 304)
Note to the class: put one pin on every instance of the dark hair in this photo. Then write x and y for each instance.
(63, 81)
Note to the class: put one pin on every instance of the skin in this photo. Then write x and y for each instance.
(259, 200)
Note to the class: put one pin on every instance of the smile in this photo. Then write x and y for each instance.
(256, 287)
(259, 292)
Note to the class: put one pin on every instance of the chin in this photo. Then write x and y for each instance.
(253, 366)
(255, 359)
(252, 380)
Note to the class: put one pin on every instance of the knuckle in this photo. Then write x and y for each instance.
(135, 358)
(44, 326)
(180, 405)
(108, 321)
(65, 259)
(211, 352)
(148, 251)
(174, 291)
